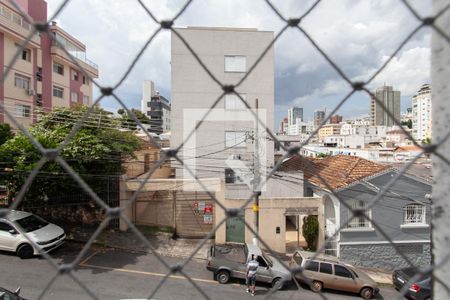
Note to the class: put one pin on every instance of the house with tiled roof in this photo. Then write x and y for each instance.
(398, 223)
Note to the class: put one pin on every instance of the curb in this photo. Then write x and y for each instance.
(165, 254)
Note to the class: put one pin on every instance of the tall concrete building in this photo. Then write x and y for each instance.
(421, 113)
(43, 76)
(295, 113)
(227, 133)
(391, 100)
(319, 116)
(156, 107)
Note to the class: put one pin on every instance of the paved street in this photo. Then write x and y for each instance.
(113, 274)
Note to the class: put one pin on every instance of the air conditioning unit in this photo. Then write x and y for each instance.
(30, 92)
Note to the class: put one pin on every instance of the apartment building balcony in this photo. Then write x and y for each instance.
(90, 67)
(16, 26)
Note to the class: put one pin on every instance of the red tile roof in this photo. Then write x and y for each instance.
(338, 171)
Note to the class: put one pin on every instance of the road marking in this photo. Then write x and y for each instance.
(88, 258)
(150, 273)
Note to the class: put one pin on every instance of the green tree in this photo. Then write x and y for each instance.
(5, 133)
(407, 123)
(310, 230)
(98, 148)
(128, 122)
(323, 155)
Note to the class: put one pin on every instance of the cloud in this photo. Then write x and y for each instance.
(357, 35)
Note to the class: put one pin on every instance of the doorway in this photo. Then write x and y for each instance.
(294, 237)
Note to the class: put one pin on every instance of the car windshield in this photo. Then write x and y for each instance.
(31, 223)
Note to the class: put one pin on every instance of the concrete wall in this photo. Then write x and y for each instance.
(386, 256)
(272, 214)
(170, 202)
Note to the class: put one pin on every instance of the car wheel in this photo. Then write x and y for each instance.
(223, 276)
(316, 286)
(366, 293)
(277, 284)
(25, 251)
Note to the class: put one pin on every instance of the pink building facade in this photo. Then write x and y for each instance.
(43, 76)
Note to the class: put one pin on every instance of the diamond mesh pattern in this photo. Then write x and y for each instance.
(294, 23)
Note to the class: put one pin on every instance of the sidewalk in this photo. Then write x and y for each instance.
(162, 243)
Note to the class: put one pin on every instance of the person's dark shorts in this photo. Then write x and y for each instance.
(251, 280)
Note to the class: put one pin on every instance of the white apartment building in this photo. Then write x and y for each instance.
(421, 111)
(300, 127)
(227, 133)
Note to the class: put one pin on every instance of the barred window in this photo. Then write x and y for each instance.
(359, 221)
(414, 214)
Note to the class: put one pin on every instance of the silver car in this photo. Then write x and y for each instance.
(45, 235)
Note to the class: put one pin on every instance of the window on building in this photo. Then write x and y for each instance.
(359, 221)
(58, 68)
(23, 110)
(342, 271)
(26, 53)
(233, 102)
(21, 81)
(414, 214)
(235, 63)
(235, 139)
(74, 75)
(85, 100)
(74, 96)
(39, 74)
(58, 91)
(39, 100)
(84, 79)
(230, 175)
(326, 268)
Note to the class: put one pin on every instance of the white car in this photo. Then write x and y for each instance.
(46, 235)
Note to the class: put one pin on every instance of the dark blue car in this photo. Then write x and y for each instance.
(420, 289)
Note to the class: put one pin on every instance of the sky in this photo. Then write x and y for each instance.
(359, 35)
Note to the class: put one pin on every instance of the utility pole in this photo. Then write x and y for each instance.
(256, 175)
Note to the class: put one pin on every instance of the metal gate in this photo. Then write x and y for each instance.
(235, 229)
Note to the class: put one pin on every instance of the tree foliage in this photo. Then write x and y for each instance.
(97, 148)
(407, 123)
(310, 230)
(5, 133)
(128, 122)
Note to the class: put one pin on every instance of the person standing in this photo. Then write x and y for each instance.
(252, 267)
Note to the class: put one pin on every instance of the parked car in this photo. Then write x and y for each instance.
(418, 290)
(46, 235)
(227, 261)
(324, 271)
(8, 295)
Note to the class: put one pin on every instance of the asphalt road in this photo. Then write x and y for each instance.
(113, 274)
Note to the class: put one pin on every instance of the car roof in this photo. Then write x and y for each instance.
(320, 256)
(14, 215)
